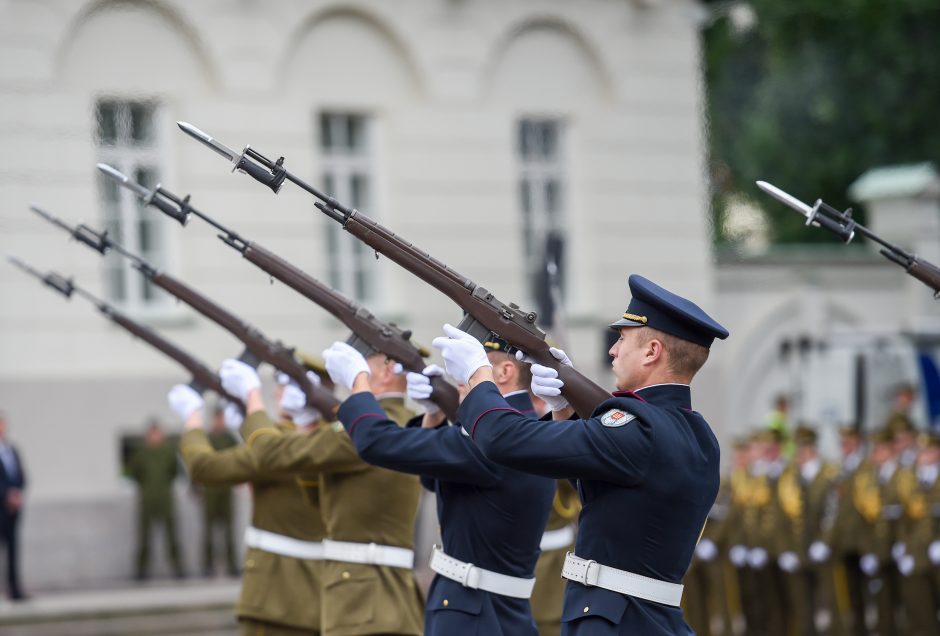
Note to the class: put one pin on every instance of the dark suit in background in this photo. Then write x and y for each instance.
(12, 483)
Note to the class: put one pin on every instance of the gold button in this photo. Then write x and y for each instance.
(586, 609)
(446, 602)
(345, 575)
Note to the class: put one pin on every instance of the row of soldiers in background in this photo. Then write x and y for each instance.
(153, 465)
(808, 547)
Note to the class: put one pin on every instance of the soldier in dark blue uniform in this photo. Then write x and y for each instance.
(490, 541)
(646, 464)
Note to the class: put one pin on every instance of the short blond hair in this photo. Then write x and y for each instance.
(683, 358)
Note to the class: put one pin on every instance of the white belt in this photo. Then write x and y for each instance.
(592, 573)
(368, 553)
(285, 546)
(557, 539)
(476, 578)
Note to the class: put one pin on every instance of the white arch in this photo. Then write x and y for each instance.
(598, 77)
(352, 61)
(123, 61)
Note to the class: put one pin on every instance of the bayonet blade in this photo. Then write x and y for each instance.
(216, 145)
(786, 199)
(124, 180)
(51, 218)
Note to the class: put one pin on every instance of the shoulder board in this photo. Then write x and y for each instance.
(615, 418)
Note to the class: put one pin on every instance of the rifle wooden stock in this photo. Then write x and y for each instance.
(516, 327)
(925, 272)
(386, 339)
(203, 377)
(272, 353)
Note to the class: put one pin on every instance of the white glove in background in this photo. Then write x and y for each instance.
(933, 552)
(738, 556)
(420, 389)
(545, 381)
(706, 550)
(906, 564)
(897, 550)
(869, 564)
(238, 378)
(233, 417)
(184, 401)
(463, 354)
(757, 558)
(788, 561)
(819, 552)
(344, 363)
(294, 402)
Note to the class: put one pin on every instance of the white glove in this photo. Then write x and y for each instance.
(819, 552)
(344, 363)
(897, 550)
(906, 564)
(545, 381)
(933, 552)
(238, 378)
(463, 354)
(788, 561)
(184, 401)
(757, 558)
(738, 556)
(706, 550)
(419, 387)
(233, 417)
(294, 402)
(869, 564)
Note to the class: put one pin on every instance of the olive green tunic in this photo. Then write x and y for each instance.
(277, 591)
(360, 503)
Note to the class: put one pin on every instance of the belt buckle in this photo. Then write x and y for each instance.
(372, 553)
(586, 578)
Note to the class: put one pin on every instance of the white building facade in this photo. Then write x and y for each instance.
(473, 129)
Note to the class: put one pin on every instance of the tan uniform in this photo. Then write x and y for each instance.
(360, 504)
(844, 539)
(705, 599)
(920, 586)
(549, 592)
(280, 594)
(803, 504)
(880, 534)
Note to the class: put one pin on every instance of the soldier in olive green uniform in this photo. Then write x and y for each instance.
(549, 592)
(217, 505)
(283, 568)
(803, 491)
(919, 565)
(153, 466)
(704, 599)
(369, 512)
(886, 489)
(843, 539)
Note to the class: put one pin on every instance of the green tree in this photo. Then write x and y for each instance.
(814, 93)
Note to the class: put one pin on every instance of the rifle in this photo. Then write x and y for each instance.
(258, 349)
(203, 378)
(845, 227)
(370, 335)
(484, 314)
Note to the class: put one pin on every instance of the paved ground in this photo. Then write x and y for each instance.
(167, 607)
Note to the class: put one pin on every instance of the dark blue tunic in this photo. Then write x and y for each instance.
(647, 471)
(490, 515)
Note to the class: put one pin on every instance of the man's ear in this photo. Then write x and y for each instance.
(654, 351)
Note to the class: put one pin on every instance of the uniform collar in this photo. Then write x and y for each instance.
(391, 395)
(674, 395)
(520, 401)
(810, 469)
